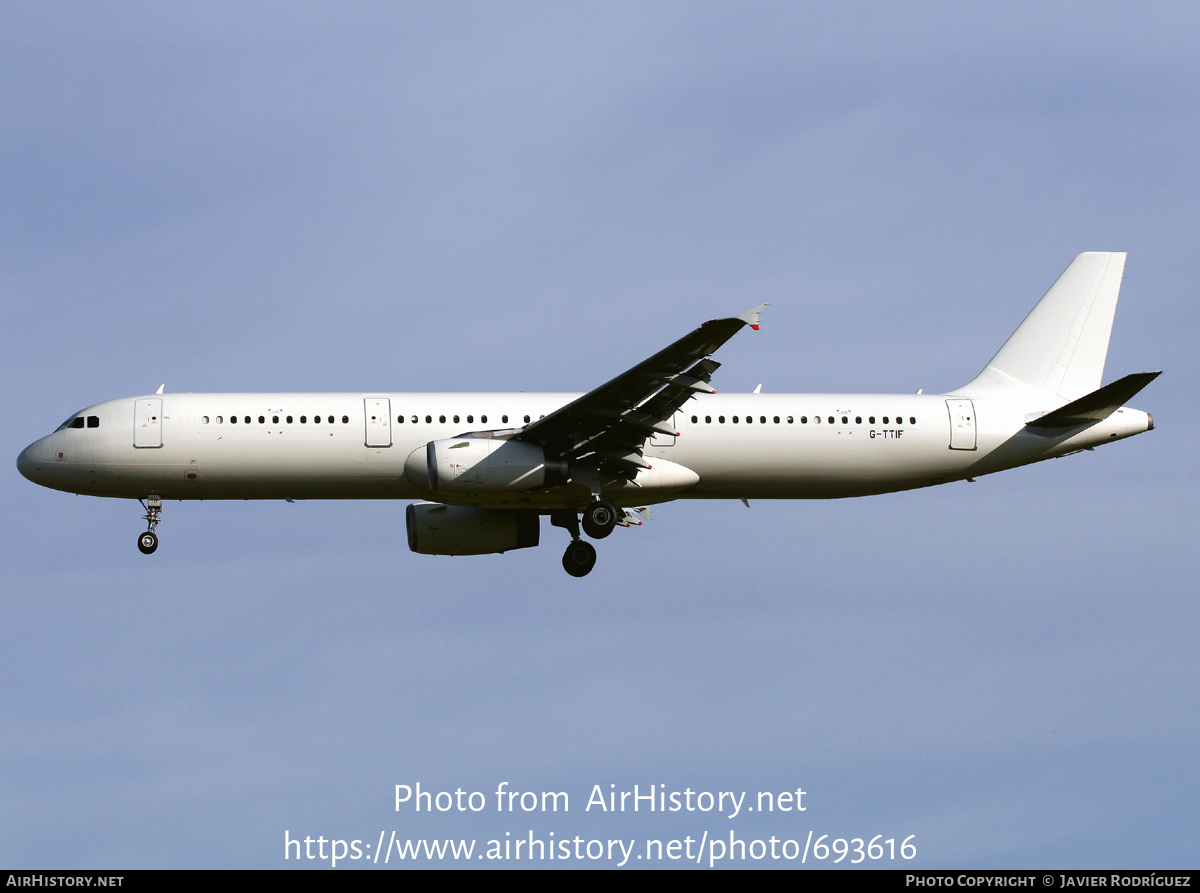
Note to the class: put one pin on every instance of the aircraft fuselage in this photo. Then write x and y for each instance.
(355, 446)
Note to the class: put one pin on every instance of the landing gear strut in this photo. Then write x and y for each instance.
(148, 541)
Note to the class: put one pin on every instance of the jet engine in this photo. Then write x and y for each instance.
(435, 529)
(484, 465)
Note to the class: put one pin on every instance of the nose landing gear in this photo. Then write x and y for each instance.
(148, 541)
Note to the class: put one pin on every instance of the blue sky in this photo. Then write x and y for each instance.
(533, 197)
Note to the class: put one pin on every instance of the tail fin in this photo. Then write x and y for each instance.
(1063, 342)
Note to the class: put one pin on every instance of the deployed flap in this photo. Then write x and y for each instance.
(1097, 405)
(617, 417)
(1061, 346)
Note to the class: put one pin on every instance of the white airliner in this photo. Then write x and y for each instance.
(486, 467)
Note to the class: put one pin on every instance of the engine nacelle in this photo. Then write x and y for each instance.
(486, 465)
(435, 529)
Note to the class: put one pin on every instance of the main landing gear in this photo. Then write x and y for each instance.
(580, 558)
(599, 519)
(148, 541)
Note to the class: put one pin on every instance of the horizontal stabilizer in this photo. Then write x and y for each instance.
(1097, 405)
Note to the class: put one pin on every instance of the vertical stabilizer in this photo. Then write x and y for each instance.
(1062, 344)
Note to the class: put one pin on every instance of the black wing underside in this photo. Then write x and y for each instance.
(609, 426)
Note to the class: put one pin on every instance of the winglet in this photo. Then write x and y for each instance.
(750, 317)
(161, 386)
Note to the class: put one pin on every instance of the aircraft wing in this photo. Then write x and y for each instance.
(613, 422)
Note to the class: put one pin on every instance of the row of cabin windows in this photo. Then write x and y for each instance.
(762, 420)
(262, 420)
(94, 421)
(316, 420)
(457, 419)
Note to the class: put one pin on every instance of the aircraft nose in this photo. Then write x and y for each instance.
(29, 462)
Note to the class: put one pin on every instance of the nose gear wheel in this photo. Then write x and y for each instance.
(148, 541)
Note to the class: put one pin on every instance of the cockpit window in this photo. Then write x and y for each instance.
(78, 421)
